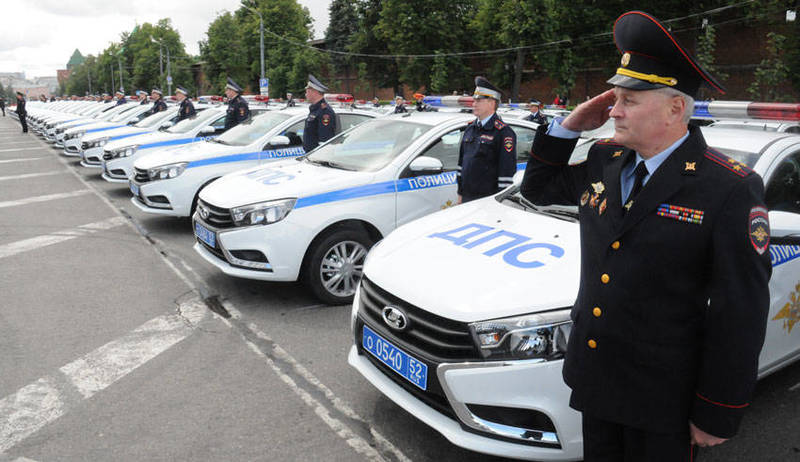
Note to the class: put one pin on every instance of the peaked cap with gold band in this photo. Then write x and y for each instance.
(652, 58)
(484, 89)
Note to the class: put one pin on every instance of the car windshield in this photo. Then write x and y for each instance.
(251, 130)
(125, 113)
(187, 125)
(369, 146)
(151, 120)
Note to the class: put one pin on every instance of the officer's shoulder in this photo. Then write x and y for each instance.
(499, 124)
(726, 166)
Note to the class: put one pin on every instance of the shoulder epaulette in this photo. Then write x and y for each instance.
(471, 121)
(729, 163)
(608, 142)
(498, 124)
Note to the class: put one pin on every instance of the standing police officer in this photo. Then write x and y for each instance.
(121, 97)
(399, 105)
(142, 94)
(290, 100)
(673, 301)
(487, 158)
(158, 101)
(238, 110)
(187, 108)
(3, 105)
(321, 121)
(536, 114)
(21, 112)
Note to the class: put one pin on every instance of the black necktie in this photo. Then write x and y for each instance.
(641, 172)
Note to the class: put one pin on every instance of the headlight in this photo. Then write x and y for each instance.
(166, 171)
(534, 336)
(123, 152)
(98, 143)
(76, 135)
(262, 213)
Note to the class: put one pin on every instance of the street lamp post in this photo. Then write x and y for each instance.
(121, 85)
(261, 29)
(111, 68)
(161, 64)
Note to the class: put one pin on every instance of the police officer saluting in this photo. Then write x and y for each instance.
(673, 301)
(187, 108)
(321, 121)
(487, 158)
(238, 110)
(536, 114)
(158, 101)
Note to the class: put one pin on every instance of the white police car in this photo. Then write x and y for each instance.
(119, 155)
(92, 144)
(483, 366)
(50, 125)
(167, 182)
(315, 218)
(115, 117)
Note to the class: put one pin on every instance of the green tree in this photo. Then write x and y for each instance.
(379, 71)
(339, 36)
(772, 74)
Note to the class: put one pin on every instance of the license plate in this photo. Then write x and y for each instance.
(410, 368)
(205, 235)
(135, 189)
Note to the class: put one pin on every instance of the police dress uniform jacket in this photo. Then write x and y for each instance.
(320, 125)
(121, 101)
(159, 105)
(238, 111)
(21, 111)
(672, 307)
(400, 109)
(536, 118)
(186, 110)
(487, 159)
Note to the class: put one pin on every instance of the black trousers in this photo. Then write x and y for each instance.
(24, 122)
(605, 441)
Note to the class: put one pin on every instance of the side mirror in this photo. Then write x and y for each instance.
(207, 130)
(279, 141)
(784, 224)
(424, 165)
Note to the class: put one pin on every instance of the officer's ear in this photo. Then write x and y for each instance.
(677, 108)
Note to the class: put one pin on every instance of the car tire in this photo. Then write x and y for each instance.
(335, 263)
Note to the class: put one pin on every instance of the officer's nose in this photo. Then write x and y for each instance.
(616, 110)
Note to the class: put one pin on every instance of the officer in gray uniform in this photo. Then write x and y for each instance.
(321, 121)
(672, 308)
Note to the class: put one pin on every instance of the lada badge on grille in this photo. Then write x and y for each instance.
(394, 318)
(203, 212)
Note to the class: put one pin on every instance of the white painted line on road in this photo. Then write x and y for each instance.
(794, 387)
(24, 159)
(32, 175)
(23, 459)
(25, 245)
(48, 197)
(19, 149)
(35, 405)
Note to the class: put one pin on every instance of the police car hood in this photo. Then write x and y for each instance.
(121, 131)
(309, 183)
(188, 153)
(481, 260)
(91, 126)
(144, 138)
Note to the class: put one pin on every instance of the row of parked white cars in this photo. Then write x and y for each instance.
(369, 216)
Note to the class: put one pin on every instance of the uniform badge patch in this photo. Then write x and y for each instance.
(790, 313)
(241, 112)
(326, 119)
(679, 213)
(508, 143)
(759, 229)
(487, 138)
(584, 198)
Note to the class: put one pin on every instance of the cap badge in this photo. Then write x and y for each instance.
(626, 59)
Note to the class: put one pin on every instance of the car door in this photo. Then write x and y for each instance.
(782, 196)
(418, 195)
(295, 147)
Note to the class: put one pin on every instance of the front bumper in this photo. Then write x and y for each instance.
(92, 158)
(118, 170)
(72, 147)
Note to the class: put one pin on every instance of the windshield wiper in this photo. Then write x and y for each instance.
(327, 163)
(555, 213)
(216, 140)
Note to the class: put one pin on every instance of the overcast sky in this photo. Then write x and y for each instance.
(40, 35)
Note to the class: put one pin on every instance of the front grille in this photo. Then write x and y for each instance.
(140, 175)
(433, 395)
(85, 145)
(427, 334)
(218, 217)
(118, 172)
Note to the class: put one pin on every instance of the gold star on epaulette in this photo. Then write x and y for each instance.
(737, 167)
(616, 154)
(628, 205)
(691, 166)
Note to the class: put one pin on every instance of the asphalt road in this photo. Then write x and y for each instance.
(118, 342)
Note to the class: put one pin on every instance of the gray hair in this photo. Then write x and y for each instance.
(670, 92)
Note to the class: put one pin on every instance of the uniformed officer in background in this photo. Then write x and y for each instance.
(143, 95)
(238, 110)
(21, 112)
(3, 105)
(290, 100)
(187, 108)
(321, 121)
(536, 114)
(399, 105)
(376, 102)
(487, 158)
(121, 97)
(106, 98)
(158, 101)
(673, 301)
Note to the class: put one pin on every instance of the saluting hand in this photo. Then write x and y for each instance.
(703, 439)
(590, 114)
